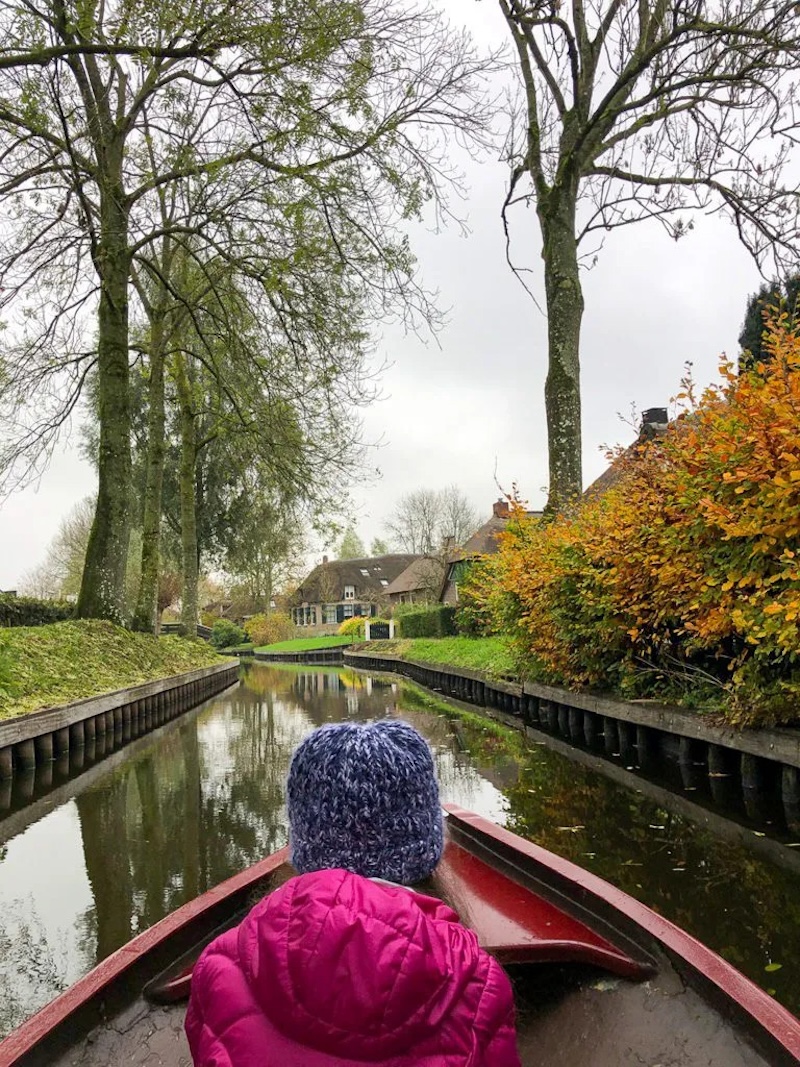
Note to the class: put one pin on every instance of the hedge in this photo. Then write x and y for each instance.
(433, 620)
(29, 611)
(683, 579)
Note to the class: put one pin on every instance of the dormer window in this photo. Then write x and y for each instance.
(349, 592)
(365, 572)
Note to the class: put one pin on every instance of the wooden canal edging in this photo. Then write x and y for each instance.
(636, 731)
(333, 656)
(42, 736)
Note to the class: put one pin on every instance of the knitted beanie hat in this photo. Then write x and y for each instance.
(365, 798)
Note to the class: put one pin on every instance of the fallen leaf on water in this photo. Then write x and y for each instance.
(759, 833)
(773, 967)
(570, 829)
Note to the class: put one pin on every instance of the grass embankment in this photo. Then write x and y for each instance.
(306, 644)
(43, 666)
(489, 654)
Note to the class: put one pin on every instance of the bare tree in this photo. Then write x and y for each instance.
(637, 111)
(59, 575)
(427, 518)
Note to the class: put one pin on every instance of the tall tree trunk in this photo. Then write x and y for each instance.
(187, 495)
(564, 314)
(145, 616)
(102, 593)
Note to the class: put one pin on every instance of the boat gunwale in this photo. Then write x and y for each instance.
(25, 1039)
(726, 984)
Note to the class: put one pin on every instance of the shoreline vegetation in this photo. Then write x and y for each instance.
(45, 666)
(492, 655)
(295, 644)
(306, 644)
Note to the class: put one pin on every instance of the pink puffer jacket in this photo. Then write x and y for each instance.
(333, 969)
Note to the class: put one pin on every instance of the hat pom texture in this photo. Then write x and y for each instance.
(365, 798)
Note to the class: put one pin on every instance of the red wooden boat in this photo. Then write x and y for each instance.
(600, 979)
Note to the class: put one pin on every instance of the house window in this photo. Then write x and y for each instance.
(330, 614)
(365, 572)
(348, 611)
(384, 581)
(349, 592)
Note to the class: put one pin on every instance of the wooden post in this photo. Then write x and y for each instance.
(6, 762)
(25, 755)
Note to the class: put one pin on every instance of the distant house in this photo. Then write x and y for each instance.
(420, 582)
(342, 589)
(482, 543)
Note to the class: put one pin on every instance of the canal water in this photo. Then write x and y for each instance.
(93, 854)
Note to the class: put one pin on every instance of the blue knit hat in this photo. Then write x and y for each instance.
(365, 798)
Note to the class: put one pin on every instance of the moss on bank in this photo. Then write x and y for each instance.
(489, 654)
(43, 666)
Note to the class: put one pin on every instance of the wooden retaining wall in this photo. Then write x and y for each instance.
(43, 736)
(638, 732)
(318, 656)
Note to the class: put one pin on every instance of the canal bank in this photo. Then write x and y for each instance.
(637, 732)
(44, 736)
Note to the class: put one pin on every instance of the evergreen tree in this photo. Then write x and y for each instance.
(351, 547)
(775, 295)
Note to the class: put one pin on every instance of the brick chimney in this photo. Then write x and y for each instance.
(500, 509)
(654, 422)
(324, 560)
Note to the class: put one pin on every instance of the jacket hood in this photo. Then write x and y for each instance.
(344, 965)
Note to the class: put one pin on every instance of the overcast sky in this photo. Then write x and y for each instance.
(455, 411)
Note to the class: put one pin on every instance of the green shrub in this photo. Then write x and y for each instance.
(353, 628)
(225, 634)
(432, 620)
(477, 594)
(29, 611)
(269, 629)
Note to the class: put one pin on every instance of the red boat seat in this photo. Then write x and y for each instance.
(517, 926)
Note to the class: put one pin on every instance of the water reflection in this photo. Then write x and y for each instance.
(109, 852)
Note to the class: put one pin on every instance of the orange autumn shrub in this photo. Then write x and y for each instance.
(686, 573)
(269, 629)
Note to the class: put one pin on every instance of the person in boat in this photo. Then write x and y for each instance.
(349, 962)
